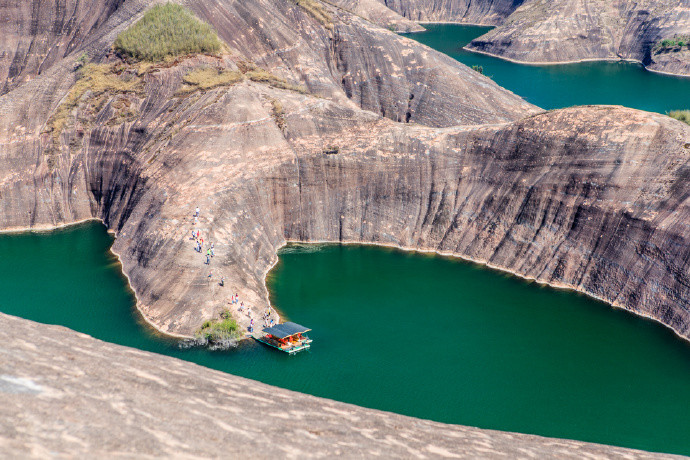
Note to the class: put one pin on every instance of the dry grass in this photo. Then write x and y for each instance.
(278, 114)
(94, 79)
(263, 76)
(207, 78)
(317, 11)
(682, 115)
(165, 31)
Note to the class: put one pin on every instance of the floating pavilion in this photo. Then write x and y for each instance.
(288, 337)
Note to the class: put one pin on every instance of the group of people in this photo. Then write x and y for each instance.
(234, 299)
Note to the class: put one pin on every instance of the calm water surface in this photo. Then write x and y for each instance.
(416, 334)
(557, 86)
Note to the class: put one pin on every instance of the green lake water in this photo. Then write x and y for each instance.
(422, 335)
(557, 86)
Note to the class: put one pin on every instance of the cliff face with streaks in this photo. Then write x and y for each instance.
(484, 12)
(564, 30)
(431, 155)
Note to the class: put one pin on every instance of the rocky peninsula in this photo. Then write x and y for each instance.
(317, 125)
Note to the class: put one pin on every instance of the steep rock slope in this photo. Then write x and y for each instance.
(572, 30)
(34, 35)
(591, 198)
(125, 157)
(64, 393)
(485, 12)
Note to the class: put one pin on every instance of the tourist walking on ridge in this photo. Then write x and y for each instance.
(196, 213)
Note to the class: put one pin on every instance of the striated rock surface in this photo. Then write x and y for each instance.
(484, 12)
(591, 198)
(546, 31)
(352, 134)
(64, 394)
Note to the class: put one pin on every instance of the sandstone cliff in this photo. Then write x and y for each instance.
(590, 198)
(349, 133)
(64, 394)
(563, 30)
(484, 12)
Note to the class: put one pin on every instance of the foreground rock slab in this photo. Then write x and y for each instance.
(63, 393)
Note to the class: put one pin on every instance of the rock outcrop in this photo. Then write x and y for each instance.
(483, 12)
(64, 394)
(542, 31)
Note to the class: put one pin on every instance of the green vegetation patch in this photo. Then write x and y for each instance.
(672, 44)
(167, 31)
(317, 11)
(95, 79)
(224, 329)
(682, 115)
(208, 78)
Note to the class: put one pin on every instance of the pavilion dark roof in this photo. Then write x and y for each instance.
(285, 330)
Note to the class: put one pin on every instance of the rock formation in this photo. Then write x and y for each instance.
(590, 198)
(484, 12)
(563, 31)
(341, 131)
(68, 395)
(558, 31)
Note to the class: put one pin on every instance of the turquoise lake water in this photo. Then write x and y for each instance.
(421, 335)
(557, 86)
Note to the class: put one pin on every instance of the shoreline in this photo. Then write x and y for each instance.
(491, 266)
(576, 61)
(482, 263)
(44, 228)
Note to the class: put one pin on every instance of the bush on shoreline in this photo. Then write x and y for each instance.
(226, 328)
(167, 30)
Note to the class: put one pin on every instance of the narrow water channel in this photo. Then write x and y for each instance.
(416, 334)
(557, 86)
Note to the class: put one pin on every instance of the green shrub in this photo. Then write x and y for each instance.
(478, 68)
(223, 329)
(166, 31)
(682, 115)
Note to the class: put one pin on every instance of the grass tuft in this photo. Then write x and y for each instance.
(263, 76)
(278, 114)
(682, 115)
(208, 78)
(317, 11)
(224, 329)
(95, 79)
(166, 31)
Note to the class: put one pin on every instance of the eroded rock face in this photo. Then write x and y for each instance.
(67, 394)
(34, 35)
(484, 12)
(564, 31)
(591, 198)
